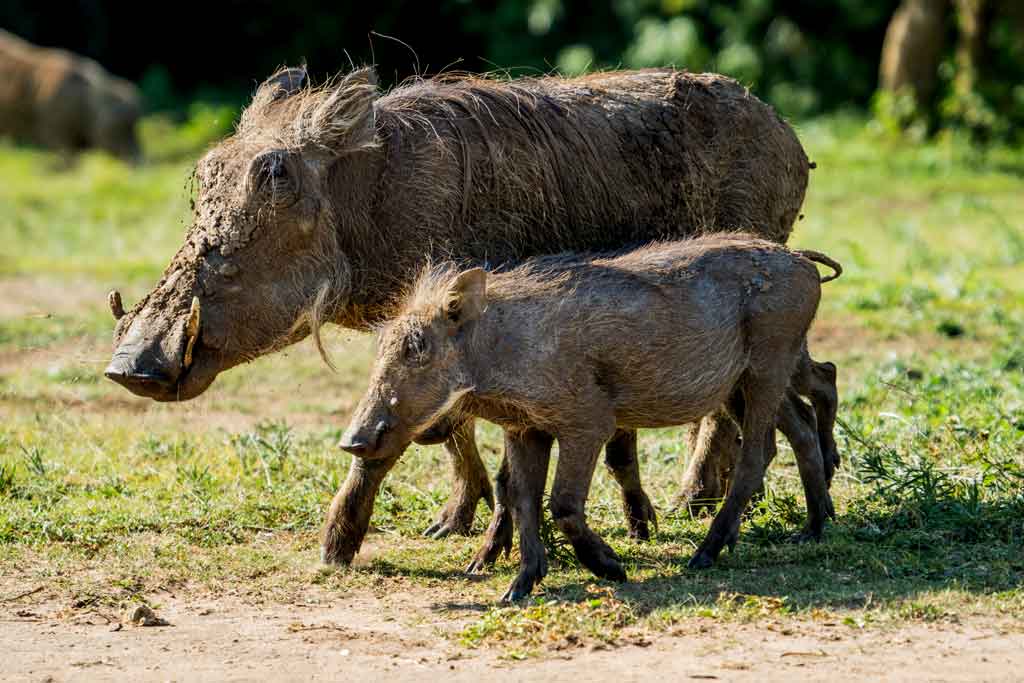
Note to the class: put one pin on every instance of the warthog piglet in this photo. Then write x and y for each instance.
(712, 321)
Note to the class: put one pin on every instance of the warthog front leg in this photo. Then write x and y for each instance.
(469, 481)
(621, 460)
(348, 517)
(498, 537)
(528, 456)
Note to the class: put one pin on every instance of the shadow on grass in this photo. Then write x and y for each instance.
(848, 570)
(390, 568)
(865, 561)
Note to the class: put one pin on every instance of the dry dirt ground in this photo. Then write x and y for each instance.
(401, 636)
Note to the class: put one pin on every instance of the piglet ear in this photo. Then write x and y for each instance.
(467, 296)
(284, 83)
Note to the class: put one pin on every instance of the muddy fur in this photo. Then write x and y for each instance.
(63, 101)
(327, 202)
(717, 320)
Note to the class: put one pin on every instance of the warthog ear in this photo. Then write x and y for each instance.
(366, 75)
(284, 83)
(467, 296)
(345, 120)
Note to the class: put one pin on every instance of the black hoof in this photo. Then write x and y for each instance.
(497, 540)
(514, 595)
(487, 556)
(521, 587)
(613, 573)
(335, 558)
(807, 535)
(830, 509)
(639, 531)
(452, 521)
(602, 561)
(640, 516)
(701, 561)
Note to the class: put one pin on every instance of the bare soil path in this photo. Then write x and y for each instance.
(406, 637)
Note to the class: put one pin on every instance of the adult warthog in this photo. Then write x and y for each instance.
(326, 203)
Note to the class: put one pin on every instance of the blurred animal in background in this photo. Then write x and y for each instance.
(65, 102)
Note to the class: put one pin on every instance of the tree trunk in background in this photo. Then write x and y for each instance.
(972, 24)
(913, 47)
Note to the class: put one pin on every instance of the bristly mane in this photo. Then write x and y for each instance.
(428, 293)
(321, 116)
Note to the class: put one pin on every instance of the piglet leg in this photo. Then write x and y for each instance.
(528, 459)
(498, 537)
(798, 423)
(756, 403)
(620, 456)
(348, 518)
(576, 462)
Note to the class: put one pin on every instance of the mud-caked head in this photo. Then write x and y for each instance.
(262, 265)
(421, 371)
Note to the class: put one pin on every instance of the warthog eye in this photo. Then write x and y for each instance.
(271, 176)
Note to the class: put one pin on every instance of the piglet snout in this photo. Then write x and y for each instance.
(363, 444)
(352, 444)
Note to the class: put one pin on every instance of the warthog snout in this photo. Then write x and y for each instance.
(363, 442)
(159, 355)
(141, 366)
(137, 380)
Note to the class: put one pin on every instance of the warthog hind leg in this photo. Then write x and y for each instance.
(620, 456)
(757, 399)
(714, 447)
(796, 420)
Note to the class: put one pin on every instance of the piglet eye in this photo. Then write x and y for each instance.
(273, 167)
(414, 350)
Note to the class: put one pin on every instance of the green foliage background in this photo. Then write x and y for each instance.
(804, 56)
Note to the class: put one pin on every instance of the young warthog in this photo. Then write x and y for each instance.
(63, 101)
(717, 320)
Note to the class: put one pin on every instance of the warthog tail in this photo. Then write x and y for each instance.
(818, 257)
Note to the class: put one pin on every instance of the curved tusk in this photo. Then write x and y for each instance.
(192, 330)
(116, 307)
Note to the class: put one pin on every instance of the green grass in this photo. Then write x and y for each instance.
(106, 497)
